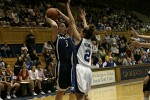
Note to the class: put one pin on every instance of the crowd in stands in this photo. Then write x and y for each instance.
(112, 19)
(115, 50)
(31, 14)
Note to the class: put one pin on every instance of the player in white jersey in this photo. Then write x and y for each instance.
(81, 73)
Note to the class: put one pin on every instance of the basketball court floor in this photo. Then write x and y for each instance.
(124, 91)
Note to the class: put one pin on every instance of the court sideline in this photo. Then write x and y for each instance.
(126, 91)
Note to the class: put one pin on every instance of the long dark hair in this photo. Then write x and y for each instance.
(88, 32)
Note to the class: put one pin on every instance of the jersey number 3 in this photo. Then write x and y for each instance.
(87, 55)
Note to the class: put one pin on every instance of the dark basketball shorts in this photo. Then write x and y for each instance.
(146, 87)
(63, 76)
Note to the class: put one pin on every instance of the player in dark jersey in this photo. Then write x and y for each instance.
(11, 80)
(5, 83)
(81, 73)
(1, 84)
(63, 48)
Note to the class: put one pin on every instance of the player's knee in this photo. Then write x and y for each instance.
(60, 92)
(17, 85)
(8, 84)
(146, 94)
(1, 86)
(79, 96)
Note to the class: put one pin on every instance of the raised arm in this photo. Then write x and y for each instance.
(54, 28)
(72, 24)
(140, 36)
(64, 16)
(138, 44)
(82, 16)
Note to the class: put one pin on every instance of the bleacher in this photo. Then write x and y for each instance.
(11, 61)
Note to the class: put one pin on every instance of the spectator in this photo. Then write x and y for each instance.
(15, 18)
(18, 65)
(122, 48)
(48, 45)
(103, 54)
(115, 50)
(40, 72)
(23, 76)
(49, 73)
(24, 50)
(109, 55)
(28, 61)
(2, 63)
(109, 63)
(34, 79)
(137, 56)
(6, 52)
(119, 61)
(34, 57)
(99, 63)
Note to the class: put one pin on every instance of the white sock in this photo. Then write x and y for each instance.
(146, 98)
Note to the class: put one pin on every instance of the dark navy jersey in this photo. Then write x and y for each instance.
(8, 76)
(63, 48)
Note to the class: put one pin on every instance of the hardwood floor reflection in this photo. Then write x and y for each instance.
(128, 91)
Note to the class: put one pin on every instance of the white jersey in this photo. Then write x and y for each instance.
(84, 52)
(81, 72)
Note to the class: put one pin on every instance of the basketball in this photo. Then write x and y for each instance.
(52, 13)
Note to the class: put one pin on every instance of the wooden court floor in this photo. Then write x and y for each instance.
(126, 91)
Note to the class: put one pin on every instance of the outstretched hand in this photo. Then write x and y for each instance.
(69, 1)
(135, 44)
(134, 32)
(60, 13)
(82, 13)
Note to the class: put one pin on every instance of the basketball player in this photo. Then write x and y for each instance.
(81, 73)
(63, 47)
(11, 80)
(1, 79)
(146, 85)
(4, 82)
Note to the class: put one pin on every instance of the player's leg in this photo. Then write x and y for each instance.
(16, 87)
(61, 82)
(146, 95)
(32, 84)
(8, 89)
(39, 82)
(86, 97)
(146, 88)
(1, 87)
(82, 82)
(72, 96)
(79, 96)
(59, 95)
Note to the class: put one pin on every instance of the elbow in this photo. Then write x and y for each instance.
(72, 20)
(54, 26)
